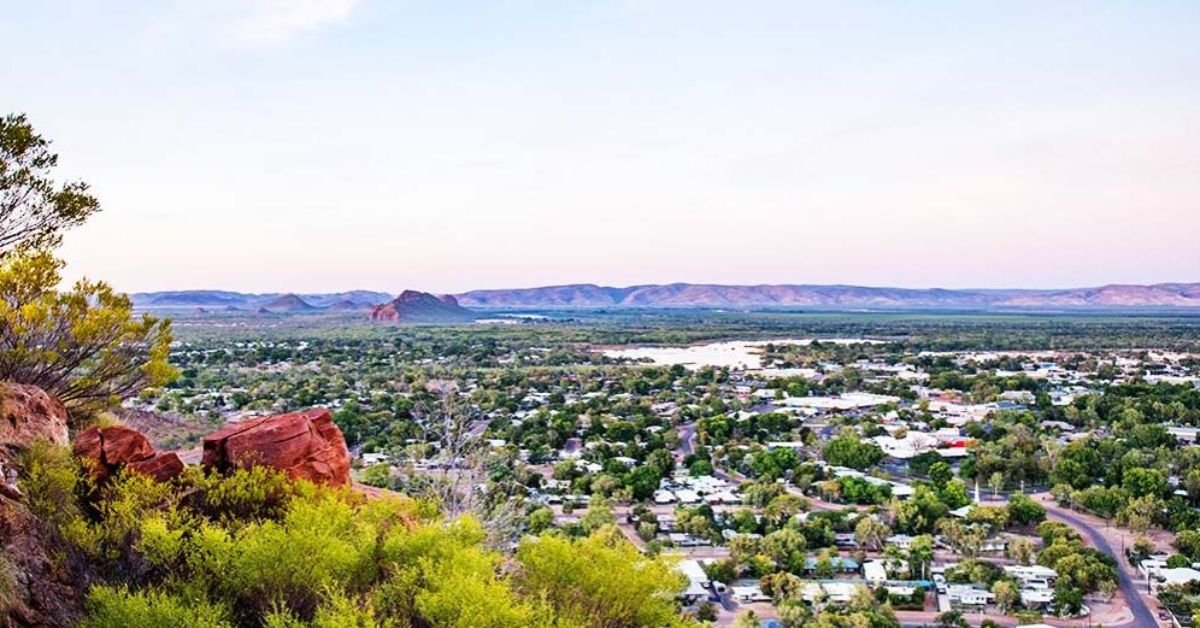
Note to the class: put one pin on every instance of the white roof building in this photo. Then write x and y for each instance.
(1152, 565)
(375, 458)
(1026, 574)
(749, 593)
(838, 592)
(1034, 598)
(912, 445)
(968, 595)
(875, 572)
(1185, 434)
(724, 497)
(847, 401)
(697, 579)
(1180, 575)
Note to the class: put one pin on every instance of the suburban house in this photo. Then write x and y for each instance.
(875, 572)
(698, 583)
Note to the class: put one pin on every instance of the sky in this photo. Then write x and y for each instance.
(324, 145)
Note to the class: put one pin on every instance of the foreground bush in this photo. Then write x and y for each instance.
(111, 607)
(254, 549)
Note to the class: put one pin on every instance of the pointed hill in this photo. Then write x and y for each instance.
(346, 305)
(287, 303)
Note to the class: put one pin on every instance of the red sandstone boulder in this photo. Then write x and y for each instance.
(28, 414)
(162, 466)
(302, 444)
(115, 447)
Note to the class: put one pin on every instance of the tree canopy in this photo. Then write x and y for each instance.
(34, 208)
(84, 345)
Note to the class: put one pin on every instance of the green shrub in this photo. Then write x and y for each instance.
(599, 580)
(379, 475)
(113, 607)
(320, 543)
(464, 590)
(121, 507)
(53, 482)
(244, 496)
(255, 549)
(338, 611)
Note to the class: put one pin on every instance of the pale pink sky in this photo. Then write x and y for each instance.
(335, 144)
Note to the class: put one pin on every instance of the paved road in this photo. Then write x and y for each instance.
(687, 439)
(1142, 615)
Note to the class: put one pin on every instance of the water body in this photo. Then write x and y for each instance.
(733, 354)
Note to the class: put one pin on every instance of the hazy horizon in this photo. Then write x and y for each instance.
(434, 290)
(328, 145)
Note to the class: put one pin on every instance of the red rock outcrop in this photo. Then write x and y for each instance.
(421, 307)
(28, 414)
(110, 449)
(305, 445)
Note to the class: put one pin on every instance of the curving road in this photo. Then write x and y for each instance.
(1142, 615)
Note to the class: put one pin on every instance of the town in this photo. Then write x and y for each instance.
(789, 477)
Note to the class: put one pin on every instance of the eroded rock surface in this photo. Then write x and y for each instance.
(305, 445)
(110, 449)
(28, 414)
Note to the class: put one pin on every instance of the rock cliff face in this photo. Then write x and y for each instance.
(110, 449)
(36, 589)
(306, 445)
(28, 414)
(422, 308)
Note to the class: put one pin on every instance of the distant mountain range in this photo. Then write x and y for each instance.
(270, 302)
(799, 296)
(686, 295)
(411, 307)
